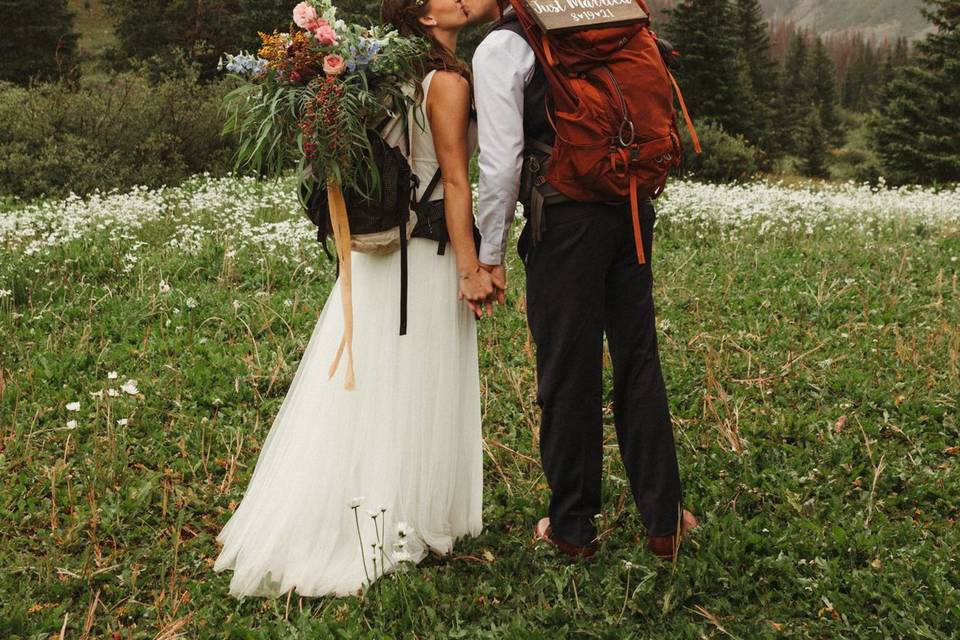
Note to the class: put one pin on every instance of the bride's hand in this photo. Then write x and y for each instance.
(477, 288)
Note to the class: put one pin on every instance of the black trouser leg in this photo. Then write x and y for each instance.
(582, 278)
(565, 292)
(641, 412)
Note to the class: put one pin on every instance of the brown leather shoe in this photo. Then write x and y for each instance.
(667, 547)
(544, 533)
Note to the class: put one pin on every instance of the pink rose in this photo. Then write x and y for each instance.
(325, 35)
(333, 65)
(306, 17)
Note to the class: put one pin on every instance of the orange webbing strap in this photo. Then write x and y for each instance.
(686, 115)
(547, 51)
(635, 212)
(341, 236)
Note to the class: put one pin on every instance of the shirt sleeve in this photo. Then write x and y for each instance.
(502, 66)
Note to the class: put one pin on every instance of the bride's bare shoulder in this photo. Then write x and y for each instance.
(449, 83)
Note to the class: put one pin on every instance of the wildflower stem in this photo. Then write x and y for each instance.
(626, 595)
(363, 558)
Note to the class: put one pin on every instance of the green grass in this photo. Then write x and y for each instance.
(813, 380)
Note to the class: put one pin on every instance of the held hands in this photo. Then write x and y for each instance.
(498, 273)
(480, 286)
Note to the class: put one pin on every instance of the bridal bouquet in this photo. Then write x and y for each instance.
(311, 95)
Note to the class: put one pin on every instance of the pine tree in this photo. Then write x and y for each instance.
(823, 86)
(37, 43)
(915, 131)
(862, 78)
(714, 77)
(796, 96)
(814, 149)
(202, 28)
(754, 41)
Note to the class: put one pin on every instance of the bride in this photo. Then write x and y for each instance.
(397, 462)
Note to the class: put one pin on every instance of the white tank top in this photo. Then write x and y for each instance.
(423, 155)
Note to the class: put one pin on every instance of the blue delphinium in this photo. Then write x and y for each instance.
(242, 64)
(362, 54)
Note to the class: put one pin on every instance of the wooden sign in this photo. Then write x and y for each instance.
(567, 15)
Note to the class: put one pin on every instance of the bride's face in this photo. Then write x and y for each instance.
(444, 15)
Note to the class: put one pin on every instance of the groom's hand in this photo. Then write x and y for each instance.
(498, 273)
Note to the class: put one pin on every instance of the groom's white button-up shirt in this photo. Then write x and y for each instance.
(502, 66)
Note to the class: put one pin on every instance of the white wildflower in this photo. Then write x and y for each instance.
(308, 270)
(236, 305)
(402, 556)
(164, 286)
(97, 395)
(113, 393)
(356, 502)
(112, 375)
(73, 406)
(122, 422)
(191, 303)
(404, 530)
(71, 424)
(5, 293)
(129, 387)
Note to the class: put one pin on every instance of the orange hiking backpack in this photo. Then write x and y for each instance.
(615, 124)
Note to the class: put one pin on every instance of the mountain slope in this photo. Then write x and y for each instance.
(880, 19)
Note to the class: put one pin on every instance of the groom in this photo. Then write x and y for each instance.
(583, 281)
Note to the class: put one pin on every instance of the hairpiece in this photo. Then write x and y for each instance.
(420, 3)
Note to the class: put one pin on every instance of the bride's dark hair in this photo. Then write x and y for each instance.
(405, 16)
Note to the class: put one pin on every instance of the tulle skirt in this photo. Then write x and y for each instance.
(405, 443)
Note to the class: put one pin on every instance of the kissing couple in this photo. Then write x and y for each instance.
(403, 449)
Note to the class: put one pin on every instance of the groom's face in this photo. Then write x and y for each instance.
(480, 11)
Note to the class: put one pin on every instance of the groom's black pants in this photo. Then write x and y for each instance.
(583, 279)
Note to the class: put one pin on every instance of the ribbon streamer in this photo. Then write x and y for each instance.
(341, 236)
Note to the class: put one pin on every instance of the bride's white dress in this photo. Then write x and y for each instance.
(407, 438)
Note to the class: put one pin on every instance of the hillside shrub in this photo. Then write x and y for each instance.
(725, 157)
(110, 133)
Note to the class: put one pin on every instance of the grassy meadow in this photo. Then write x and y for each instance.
(811, 344)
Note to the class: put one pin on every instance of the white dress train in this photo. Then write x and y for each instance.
(407, 438)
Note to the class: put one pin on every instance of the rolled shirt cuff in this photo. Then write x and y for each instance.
(490, 253)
